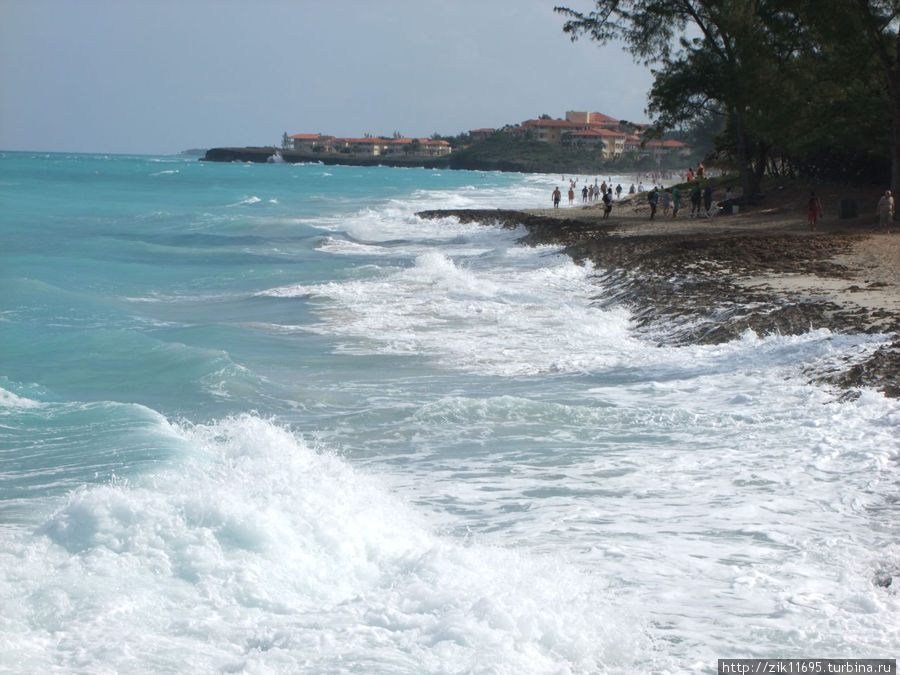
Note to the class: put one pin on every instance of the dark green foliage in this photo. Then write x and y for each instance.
(504, 152)
(806, 87)
(458, 141)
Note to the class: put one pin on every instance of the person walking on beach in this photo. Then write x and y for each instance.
(814, 211)
(584, 194)
(695, 201)
(676, 201)
(607, 204)
(707, 198)
(885, 210)
(666, 200)
(652, 200)
(571, 195)
(619, 191)
(557, 195)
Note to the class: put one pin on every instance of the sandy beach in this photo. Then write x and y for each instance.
(867, 274)
(708, 279)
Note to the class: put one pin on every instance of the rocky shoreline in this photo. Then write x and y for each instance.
(709, 287)
(267, 154)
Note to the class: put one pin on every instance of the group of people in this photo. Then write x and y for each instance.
(701, 198)
(589, 193)
(884, 210)
(670, 201)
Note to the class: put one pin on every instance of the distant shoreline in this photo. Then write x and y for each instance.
(453, 161)
(263, 155)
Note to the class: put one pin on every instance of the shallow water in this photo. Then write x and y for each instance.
(261, 418)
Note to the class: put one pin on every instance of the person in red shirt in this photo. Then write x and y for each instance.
(815, 210)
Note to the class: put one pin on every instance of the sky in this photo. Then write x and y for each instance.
(162, 76)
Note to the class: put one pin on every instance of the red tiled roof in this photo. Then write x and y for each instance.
(609, 132)
(600, 118)
(563, 124)
(406, 141)
(666, 144)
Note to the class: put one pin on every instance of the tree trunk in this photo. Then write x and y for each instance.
(895, 146)
(893, 76)
(890, 63)
(750, 177)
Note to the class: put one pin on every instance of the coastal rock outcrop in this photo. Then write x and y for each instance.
(262, 155)
(683, 288)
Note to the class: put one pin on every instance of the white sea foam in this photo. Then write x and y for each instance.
(504, 478)
(253, 199)
(530, 315)
(705, 481)
(9, 400)
(352, 248)
(287, 559)
(711, 501)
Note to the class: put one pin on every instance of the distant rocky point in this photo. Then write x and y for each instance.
(271, 154)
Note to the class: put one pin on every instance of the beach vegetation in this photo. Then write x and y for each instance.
(506, 152)
(460, 140)
(413, 147)
(796, 87)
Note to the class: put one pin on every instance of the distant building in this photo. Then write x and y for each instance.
(592, 120)
(610, 143)
(312, 142)
(667, 146)
(587, 140)
(633, 143)
(599, 119)
(590, 130)
(582, 129)
(370, 146)
(577, 117)
(614, 142)
(436, 148)
(480, 134)
(416, 146)
(546, 131)
(360, 146)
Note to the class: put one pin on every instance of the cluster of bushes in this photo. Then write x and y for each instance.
(503, 152)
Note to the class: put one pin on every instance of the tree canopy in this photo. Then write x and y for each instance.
(800, 86)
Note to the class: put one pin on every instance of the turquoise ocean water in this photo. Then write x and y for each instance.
(263, 419)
